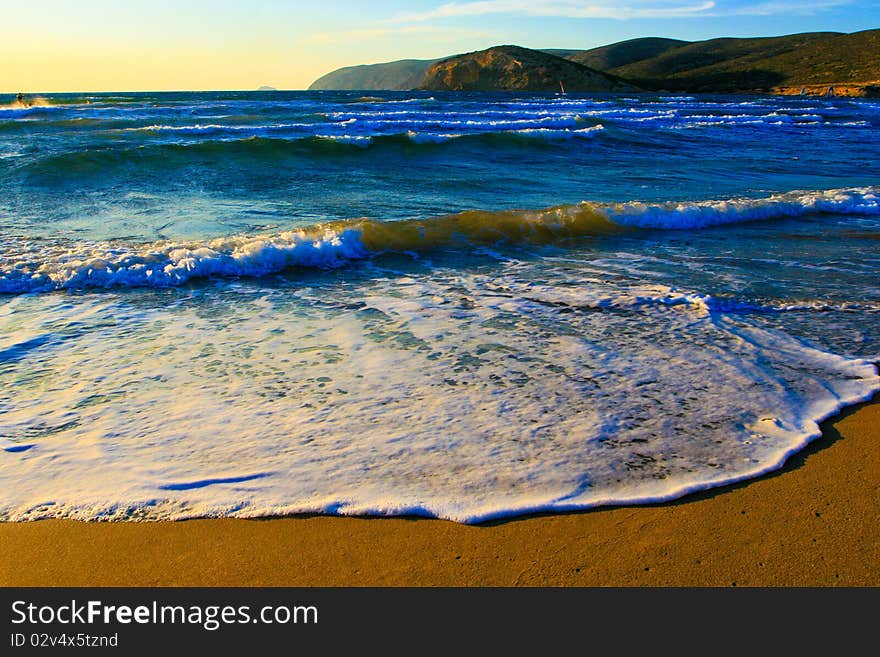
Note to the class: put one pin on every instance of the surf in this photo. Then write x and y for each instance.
(24, 269)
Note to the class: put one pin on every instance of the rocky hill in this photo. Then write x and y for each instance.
(623, 53)
(787, 64)
(512, 68)
(400, 75)
(750, 65)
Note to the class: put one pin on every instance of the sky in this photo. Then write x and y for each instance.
(140, 45)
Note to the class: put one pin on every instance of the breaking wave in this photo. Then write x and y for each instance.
(27, 266)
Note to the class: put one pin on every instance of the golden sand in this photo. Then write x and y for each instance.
(814, 523)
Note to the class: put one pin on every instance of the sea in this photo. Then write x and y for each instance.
(458, 305)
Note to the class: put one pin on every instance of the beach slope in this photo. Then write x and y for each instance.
(814, 523)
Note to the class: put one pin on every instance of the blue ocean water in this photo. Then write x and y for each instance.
(458, 305)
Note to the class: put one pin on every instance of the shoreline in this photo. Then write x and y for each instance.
(869, 89)
(814, 522)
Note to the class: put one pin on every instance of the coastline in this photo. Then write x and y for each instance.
(815, 522)
(844, 89)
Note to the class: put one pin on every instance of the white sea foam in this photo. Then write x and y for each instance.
(359, 140)
(565, 114)
(496, 124)
(406, 101)
(689, 215)
(166, 264)
(214, 128)
(450, 394)
(552, 133)
(432, 137)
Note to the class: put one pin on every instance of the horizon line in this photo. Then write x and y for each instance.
(145, 91)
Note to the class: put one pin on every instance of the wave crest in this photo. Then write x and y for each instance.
(333, 244)
(229, 144)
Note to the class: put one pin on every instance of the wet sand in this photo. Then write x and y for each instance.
(816, 522)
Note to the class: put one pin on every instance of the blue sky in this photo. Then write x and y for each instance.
(58, 45)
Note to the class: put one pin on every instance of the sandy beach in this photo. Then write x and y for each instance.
(814, 523)
(458, 296)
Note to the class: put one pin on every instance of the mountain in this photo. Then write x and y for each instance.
(787, 64)
(748, 65)
(400, 75)
(512, 68)
(565, 53)
(606, 58)
(267, 88)
(846, 59)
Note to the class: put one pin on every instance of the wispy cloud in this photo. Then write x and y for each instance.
(416, 25)
(614, 9)
(775, 7)
(565, 8)
(425, 32)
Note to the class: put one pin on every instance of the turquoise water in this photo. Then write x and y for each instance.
(463, 305)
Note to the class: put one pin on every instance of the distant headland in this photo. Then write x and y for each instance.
(815, 63)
